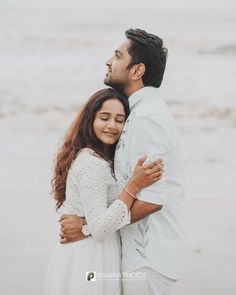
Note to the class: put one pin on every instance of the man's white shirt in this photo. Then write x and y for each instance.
(158, 240)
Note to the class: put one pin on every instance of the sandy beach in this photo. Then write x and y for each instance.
(52, 59)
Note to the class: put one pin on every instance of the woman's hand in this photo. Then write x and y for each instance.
(146, 174)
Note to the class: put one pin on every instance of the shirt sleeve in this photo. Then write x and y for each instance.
(150, 136)
(101, 221)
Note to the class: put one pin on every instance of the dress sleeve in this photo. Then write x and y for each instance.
(93, 187)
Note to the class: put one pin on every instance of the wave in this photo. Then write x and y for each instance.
(228, 49)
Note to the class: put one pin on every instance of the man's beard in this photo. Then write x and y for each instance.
(115, 85)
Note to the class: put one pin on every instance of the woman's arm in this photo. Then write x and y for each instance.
(103, 221)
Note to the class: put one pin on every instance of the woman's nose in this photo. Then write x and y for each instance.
(111, 124)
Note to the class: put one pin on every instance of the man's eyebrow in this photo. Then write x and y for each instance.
(118, 52)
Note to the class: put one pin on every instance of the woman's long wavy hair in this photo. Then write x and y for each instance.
(80, 135)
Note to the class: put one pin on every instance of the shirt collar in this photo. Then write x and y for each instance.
(139, 95)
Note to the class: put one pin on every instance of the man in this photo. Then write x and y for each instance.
(152, 246)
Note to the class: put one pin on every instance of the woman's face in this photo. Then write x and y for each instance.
(109, 121)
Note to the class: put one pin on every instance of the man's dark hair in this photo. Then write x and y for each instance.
(148, 49)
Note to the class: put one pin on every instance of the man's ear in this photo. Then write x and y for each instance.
(138, 71)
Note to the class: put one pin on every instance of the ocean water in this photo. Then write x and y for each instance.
(53, 56)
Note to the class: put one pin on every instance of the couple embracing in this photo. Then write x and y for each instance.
(118, 184)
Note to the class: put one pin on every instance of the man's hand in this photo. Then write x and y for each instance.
(71, 227)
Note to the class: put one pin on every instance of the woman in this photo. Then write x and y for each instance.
(84, 185)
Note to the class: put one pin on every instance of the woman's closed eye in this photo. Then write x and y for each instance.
(104, 119)
(121, 121)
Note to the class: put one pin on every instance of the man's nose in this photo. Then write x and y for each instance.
(109, 61)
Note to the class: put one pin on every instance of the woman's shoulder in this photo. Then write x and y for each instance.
(89, 158)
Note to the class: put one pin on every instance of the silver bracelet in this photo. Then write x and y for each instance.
(129, 193)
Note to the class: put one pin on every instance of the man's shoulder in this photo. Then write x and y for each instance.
(151, 112)
(152, 103)
(152, 107)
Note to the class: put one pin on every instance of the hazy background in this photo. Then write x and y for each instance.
(52, 57)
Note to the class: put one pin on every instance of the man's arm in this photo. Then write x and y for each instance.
(140, 210)
(71, 226)
(148, 135)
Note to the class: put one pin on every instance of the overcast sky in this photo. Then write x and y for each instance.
(122, 4)
(165, 4)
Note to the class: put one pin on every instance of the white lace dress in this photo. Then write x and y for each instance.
(90, 192)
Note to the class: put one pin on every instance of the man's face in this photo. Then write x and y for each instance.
(118, 75)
